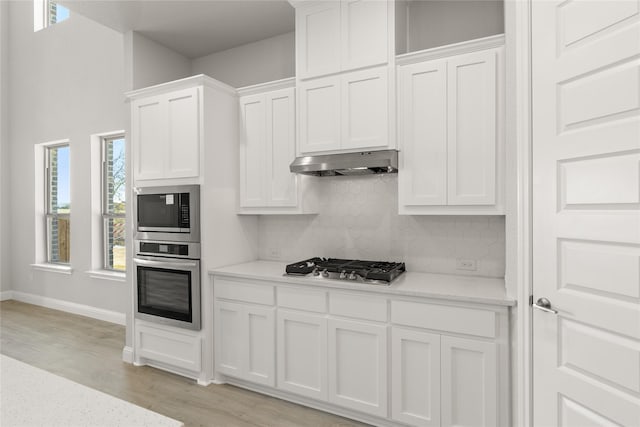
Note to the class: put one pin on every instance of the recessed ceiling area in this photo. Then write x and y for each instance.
(192, 28)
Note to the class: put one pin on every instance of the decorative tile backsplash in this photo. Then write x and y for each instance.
(358, 219)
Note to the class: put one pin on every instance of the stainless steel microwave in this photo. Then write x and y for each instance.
(168, 213)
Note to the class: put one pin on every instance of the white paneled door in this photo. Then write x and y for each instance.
(586, 212)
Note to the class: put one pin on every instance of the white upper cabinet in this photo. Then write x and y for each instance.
(349, 111)
(166, 135)
(267, 148)
(335, 36)
(451, 123)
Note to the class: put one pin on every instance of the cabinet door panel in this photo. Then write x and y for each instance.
(148, 126)
(358, 366)
(183, 119)
(260, 338)
(365, 33)
(365, 109)
(318, 39)
(415, 377)
(281, 139)
(320, 115)
(423, 134)
(469, 382)
(472, 123)
(302, 349)
(229, 322)
(253, 151)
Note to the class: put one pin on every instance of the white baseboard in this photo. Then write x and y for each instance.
(6, 295)
(71, 307)
(127, 354)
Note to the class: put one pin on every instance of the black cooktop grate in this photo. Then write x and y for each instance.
(368, 270)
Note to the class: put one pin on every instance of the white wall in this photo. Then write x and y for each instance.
(440, 22)
(153, 63)
(5, 284)
(67, 81)
(358, 219)
(263, 61)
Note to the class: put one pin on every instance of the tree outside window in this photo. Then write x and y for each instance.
(114, 203)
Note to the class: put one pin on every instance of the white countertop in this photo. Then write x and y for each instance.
(483, 290)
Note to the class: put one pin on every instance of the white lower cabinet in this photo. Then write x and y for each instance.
(383, 359)
(169, 346)
(415, 377)
(358, 365)
(469, 382)
(245, 341)
(302, 354)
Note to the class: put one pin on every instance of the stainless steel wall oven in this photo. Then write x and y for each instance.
(167, 256)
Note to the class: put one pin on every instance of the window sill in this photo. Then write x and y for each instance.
(107, 275)
(53, 268)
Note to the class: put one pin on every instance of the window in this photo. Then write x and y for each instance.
(46, 13)
(57, 204)
(113, 202)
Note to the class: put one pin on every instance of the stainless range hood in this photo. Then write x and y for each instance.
(363, 163)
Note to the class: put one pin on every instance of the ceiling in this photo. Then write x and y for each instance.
(193, 28)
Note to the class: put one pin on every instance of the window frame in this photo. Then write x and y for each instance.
(48, 214)
(105, 215)
(42, 14)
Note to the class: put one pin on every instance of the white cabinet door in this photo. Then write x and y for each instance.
(318, 39)
(183, 131)
(358, 366)
(281, 143)
(365, 33)
(422, 178)
(260, 347)
(245, 341)
(365, 109)
(166, 135)
(472, 128)
(302, 354)
(229, 327)
(149, 137)
(415, 377)
(469, 382)
(253, 151)
(320, 114)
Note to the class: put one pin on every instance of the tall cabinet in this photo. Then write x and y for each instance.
(344, 63)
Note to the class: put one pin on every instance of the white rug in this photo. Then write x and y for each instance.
(31, 397)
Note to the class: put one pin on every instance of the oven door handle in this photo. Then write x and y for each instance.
(165, 264)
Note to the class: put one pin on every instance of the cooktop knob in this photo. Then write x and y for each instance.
(353, 275)
(343, 274)
(315, 272)
(325, 273)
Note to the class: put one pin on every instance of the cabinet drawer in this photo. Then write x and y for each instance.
(242, 291)
(445, 318)
(358, 306)
(302, 299)
(173, 348)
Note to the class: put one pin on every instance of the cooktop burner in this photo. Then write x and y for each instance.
(374, 272)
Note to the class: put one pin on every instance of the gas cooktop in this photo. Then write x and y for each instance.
(372, 272)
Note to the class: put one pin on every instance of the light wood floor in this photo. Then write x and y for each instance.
(89, 352)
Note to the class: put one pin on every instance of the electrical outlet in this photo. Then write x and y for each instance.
(273, 253)
(466, 264)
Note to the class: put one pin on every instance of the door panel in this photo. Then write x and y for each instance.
(472, 128)
(320, 115)
(253, 151)
(282, 140)
(184, 134)
(148, 124)
(365, 33)
(423, 134)
(302, 362)
(318, 39)
(261, 345)
(586, 212)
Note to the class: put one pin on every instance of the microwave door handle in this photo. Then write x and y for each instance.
(164, 264)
